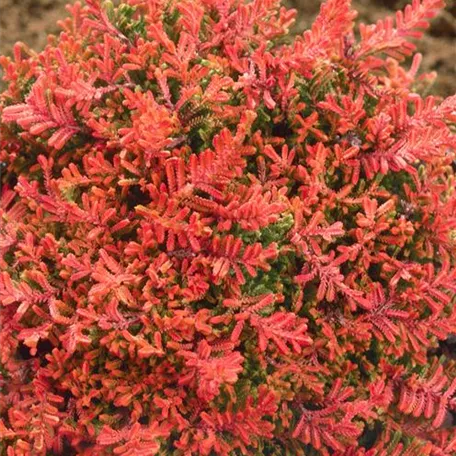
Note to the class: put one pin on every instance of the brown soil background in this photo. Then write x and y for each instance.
(31, 21)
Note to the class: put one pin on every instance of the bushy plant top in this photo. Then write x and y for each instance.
(220, 239)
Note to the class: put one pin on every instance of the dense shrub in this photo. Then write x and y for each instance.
(218, 239)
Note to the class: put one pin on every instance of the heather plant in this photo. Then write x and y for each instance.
(220, 239)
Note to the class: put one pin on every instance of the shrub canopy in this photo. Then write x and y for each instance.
(220, 239)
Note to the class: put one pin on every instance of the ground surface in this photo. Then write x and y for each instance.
(31, 20)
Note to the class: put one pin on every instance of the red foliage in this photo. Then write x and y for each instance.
(217, 239)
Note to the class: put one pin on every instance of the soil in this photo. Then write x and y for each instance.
(31, 20)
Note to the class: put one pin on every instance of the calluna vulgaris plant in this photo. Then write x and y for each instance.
(217, 239)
